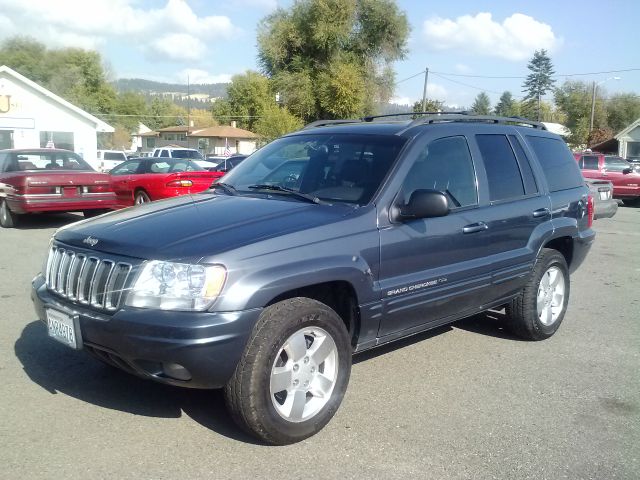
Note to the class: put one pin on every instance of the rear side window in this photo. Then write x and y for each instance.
(503, 172)
(115, 156)
(589, 162)
(557, 163)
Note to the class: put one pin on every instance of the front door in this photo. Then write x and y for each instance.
(432, 269)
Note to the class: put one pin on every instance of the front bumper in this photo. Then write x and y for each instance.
(143, 342)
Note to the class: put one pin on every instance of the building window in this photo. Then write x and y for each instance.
(633, 150)
(151, 142)
(63, 140)
(183, 138)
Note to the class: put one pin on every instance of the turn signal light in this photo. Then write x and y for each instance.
(180, 183)
(590, 211)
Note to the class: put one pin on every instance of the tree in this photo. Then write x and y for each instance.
(573, 98)
(481, 105)
(507, 106)
(247, 97)
(275, 122)
(332, 58)
(537, 83)
(622, 110)
(430, 106)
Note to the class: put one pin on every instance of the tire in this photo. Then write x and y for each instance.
(538, 310)
(279, 392)
(93, 213)
(632, 202)
(141, 197)
(8, 219)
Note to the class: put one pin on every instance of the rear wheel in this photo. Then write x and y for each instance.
(8, 219)
(537, 312)
(293, 374)
(93, 213)
(632, 202)
(141, 197)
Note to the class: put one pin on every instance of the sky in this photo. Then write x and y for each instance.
(459, 41)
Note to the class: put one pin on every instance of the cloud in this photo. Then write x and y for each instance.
(515, 39)
(173, 32)
(462, 68)
(262, 4)
(201, 76)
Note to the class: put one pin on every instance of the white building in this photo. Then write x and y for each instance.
(629, 141)
(31, 117)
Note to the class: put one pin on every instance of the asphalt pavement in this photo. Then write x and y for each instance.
(461, 402)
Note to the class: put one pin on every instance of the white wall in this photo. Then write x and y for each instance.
(29, 108)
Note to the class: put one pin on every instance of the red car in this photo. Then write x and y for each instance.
(142, 180)
(625, 180)
(50, 180)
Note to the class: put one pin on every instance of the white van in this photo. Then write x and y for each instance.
(108, 159)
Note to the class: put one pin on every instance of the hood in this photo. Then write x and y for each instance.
(196, 226)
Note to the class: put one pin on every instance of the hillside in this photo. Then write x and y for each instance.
(151, 88)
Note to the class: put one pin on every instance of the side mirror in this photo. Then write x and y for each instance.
(627, 170)
(425, 204)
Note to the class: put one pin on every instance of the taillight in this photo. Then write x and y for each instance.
(590, 211)
(180, 183)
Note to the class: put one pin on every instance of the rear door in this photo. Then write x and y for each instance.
(516, 214)
(626, 182)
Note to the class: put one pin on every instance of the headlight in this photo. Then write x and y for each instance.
(177, 286)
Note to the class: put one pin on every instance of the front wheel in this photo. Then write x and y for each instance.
(8, 219)
(537, 312)
(293, 374)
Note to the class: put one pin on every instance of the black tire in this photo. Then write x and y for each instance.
(141, 197)
(94, 213)
(523, 317)
(8, 219)
(632, 202)
(248, 393)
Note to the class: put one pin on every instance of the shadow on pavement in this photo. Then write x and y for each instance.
(490, 323)
(59, 369)
(46, 220)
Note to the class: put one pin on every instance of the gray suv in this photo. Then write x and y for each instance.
(335, 239)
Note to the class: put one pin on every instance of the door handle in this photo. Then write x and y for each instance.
(475, 227)
(541, 212)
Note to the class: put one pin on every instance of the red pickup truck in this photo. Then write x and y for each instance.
(625, 180)
(50, 180)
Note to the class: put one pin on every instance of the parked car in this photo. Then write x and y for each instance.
(142, 180)
(625, 180)
(177, 152)
(107, 159)
(50, 180)
(380, 229)
(605, 206)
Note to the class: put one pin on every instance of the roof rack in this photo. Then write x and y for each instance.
(469, 117)
(323, 123)
(371, 118)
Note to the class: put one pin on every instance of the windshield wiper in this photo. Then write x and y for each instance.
(295, 193)
(230, 189)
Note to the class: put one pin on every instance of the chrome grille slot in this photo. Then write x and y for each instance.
(88, 280)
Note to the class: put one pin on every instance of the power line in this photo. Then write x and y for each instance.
(466, 84)
(558, 75)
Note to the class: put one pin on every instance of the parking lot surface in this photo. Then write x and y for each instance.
(460, 402)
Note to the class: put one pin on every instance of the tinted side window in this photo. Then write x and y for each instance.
(557, 163)
(502, 168)
(114, 156)
(615, 164)
(126, 168)
(445, 165)
(3, 157)
(589, 162)
(528, 178)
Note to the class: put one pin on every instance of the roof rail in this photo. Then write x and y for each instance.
(323, 123)
(469, 117)
(371, 118)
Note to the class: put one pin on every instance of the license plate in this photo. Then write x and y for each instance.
(604, 195)
(63, 328)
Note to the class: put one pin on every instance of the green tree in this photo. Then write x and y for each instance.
(332, 58)
(622, 110)
(537, 83)
(482, 104)
(247, 97)
(275, 122)
(430, 106)
(573, 99)
(507, 106)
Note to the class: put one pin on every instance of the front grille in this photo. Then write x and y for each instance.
(86, 279)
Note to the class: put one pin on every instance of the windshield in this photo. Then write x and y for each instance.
(186, 154)
(343, 168)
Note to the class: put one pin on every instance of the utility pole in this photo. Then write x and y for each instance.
(424, 92)
(188, 110)
(593, 105)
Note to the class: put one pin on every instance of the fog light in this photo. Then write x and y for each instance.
(174, 370)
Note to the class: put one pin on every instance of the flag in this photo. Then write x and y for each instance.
(227, 150)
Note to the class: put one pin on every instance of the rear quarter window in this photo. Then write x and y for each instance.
(559, 167)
